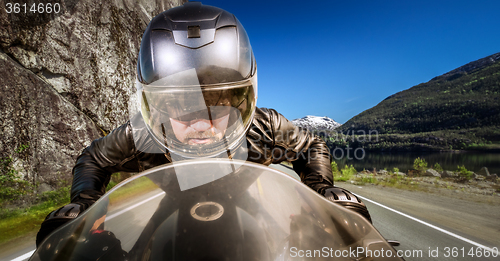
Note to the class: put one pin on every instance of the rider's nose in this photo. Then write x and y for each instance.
(201, 125)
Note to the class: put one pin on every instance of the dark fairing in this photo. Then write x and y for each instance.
(214, 210)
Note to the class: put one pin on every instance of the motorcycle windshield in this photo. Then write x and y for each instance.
(215, 209)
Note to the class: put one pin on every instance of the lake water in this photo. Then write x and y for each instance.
(473, 161)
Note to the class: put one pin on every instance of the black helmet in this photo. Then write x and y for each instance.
(196, 65)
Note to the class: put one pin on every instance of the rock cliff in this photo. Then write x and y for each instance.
(66, 79)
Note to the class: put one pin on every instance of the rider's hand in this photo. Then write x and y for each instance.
(347, 199)
(101, 245)
(64, 214)
(58, 218)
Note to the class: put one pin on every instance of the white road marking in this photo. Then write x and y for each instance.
(23, 257)
(431, 226)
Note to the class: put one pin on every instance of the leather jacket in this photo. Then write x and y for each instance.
(271, 139)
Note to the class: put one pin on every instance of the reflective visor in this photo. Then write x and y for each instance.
(195, 121)
(211, 113)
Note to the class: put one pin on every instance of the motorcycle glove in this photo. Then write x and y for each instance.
(58, 218)
(347, 199)
(101, 245)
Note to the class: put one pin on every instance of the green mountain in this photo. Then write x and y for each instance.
(457, 110)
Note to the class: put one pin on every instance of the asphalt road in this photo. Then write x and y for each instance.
(427, 234)
(421, 234)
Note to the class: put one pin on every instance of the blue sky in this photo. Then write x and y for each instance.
(339, 58)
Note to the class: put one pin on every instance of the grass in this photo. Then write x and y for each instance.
(137, 187)
(370, 179)
(344, 174)
(464, 173)
(395, 181)
(16, 223)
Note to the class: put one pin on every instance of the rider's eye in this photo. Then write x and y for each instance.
(213, 113)
(219, 111)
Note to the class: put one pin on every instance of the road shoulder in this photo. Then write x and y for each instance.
(11, 249)
(479, 220)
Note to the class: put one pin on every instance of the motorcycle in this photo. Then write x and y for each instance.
(215, 209)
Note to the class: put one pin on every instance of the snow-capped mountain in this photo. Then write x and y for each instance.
(316, 123)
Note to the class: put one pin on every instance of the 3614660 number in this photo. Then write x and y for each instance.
(40, 8)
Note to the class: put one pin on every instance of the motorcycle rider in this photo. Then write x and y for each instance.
(197, 88)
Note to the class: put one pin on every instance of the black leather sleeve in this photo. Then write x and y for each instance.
(113, 153)
(274, 139)
(314, 166)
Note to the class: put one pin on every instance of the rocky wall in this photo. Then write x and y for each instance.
(66, 78)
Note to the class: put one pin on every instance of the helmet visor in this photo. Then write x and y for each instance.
(199, 121)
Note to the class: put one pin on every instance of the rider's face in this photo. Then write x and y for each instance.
(200, 129)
